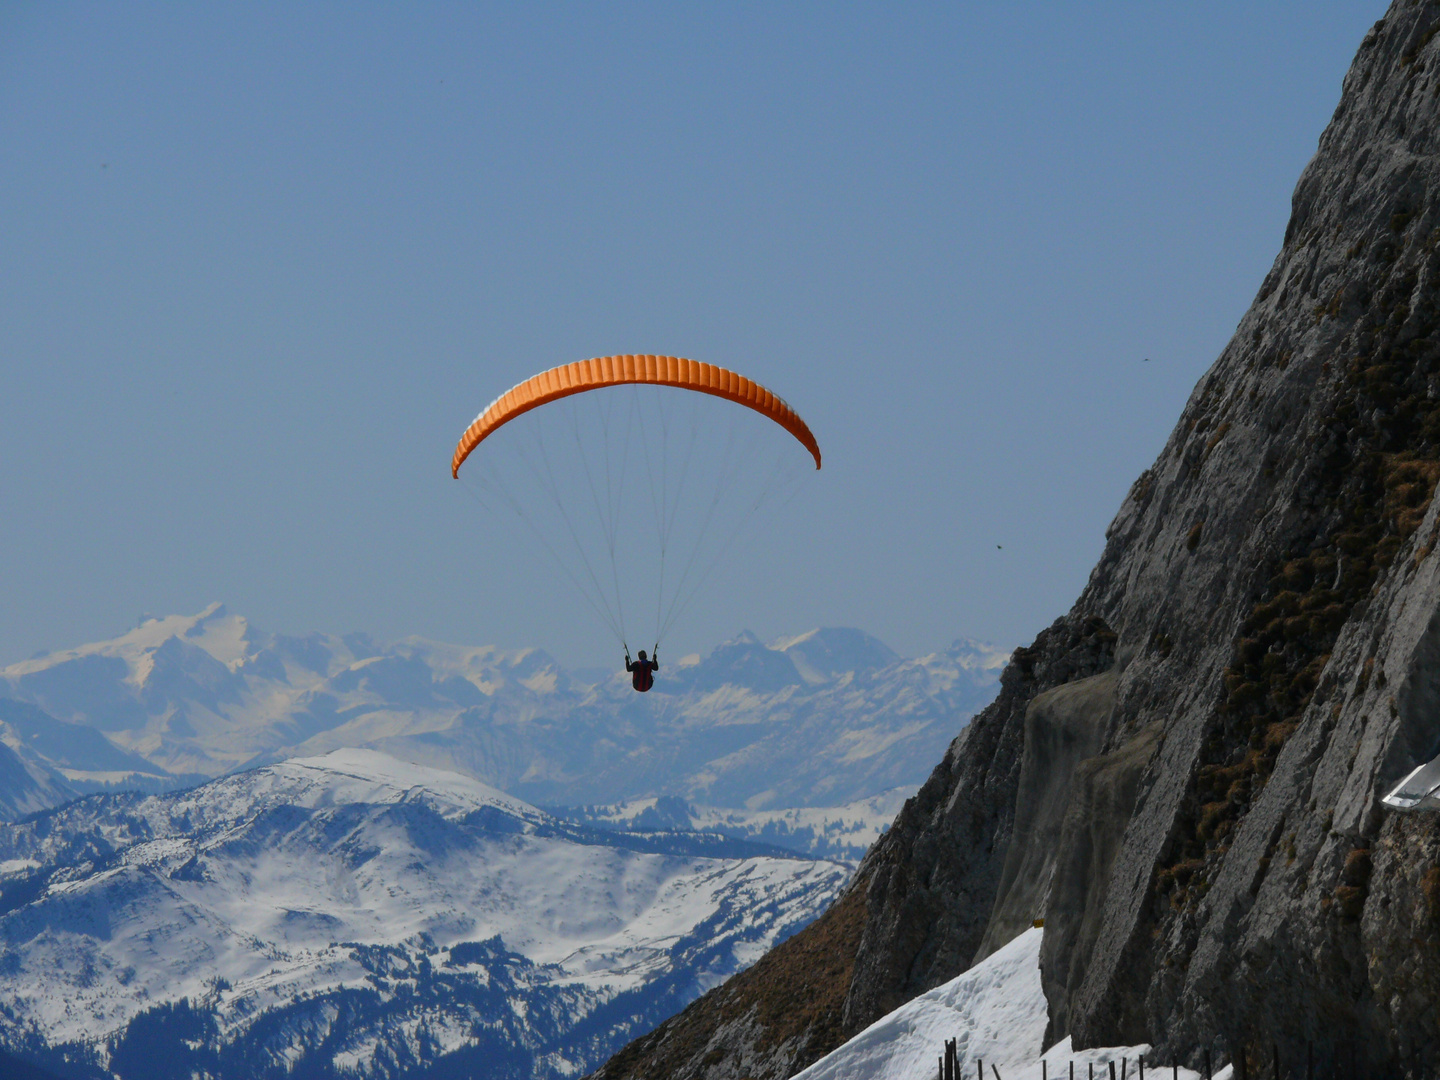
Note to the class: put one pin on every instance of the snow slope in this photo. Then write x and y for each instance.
(71, 758)
(821, 719)
(996, 1012)
(25, 785)
(357, 913)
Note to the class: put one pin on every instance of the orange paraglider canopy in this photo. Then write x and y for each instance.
(603, 371)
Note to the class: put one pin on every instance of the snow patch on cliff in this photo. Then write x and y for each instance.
(996, 1012)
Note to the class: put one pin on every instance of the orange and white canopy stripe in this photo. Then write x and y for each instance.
(583, 375)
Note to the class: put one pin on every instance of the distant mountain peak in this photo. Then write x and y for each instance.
(820, 718)
(827, 652)
(225, 637)
(976, 655)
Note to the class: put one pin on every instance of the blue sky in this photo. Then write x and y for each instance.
(260, 264)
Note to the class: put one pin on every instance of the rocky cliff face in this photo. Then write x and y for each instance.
(1182, 775)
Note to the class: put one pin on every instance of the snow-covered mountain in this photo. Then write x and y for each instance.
(823, 719)
(353, 915)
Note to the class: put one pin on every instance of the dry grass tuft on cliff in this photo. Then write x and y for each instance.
(1378, 468)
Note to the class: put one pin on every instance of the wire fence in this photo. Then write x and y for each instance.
(1342, 1062)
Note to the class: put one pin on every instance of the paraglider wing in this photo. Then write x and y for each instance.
(584, 375)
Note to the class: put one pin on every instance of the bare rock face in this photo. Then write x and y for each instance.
(1273, 575)
(931, 881)
(1182, 776)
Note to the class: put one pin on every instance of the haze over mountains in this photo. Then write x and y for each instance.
(823, 719)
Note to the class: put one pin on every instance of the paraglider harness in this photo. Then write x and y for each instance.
(642, 671)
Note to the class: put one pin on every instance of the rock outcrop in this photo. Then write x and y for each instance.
(1182, 775)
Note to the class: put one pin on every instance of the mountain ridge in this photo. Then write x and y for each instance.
(821, 718)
